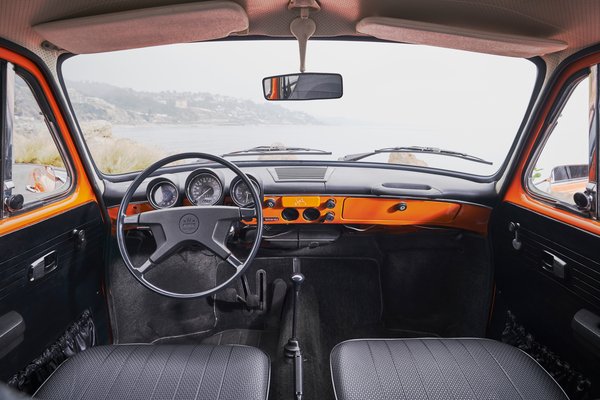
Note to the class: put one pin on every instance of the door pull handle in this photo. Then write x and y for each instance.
(43, 266)
(554, 264)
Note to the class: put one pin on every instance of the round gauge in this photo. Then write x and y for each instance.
(163, 194)
(241, 194)
(204, 189)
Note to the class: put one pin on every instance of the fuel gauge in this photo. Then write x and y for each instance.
(163, 194)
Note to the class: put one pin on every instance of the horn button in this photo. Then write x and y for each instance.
(188, 224)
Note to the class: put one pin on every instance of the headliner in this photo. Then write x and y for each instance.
(573, 22)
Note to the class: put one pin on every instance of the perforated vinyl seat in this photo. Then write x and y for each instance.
(438, 369)
(161, 372)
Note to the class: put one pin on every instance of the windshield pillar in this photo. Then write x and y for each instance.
(7, 114)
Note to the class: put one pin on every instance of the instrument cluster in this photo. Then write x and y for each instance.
(203, 187)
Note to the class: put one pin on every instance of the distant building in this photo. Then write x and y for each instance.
(181, 103)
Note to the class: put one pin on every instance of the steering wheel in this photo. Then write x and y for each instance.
(176, 227)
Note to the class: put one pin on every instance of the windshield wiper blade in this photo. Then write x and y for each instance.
(415, 149)
(275, 150)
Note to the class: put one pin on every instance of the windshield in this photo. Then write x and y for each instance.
(137, 106)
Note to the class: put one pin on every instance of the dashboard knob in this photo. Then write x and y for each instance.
(14, 202)
(330, 203)
(402, 206)
(330, 216)
(270, 203)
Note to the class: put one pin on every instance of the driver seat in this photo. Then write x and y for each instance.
(161, 372)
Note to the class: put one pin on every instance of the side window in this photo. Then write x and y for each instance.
(34, 166)
(562, 167)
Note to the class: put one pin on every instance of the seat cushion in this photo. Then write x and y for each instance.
(161, 372)
(438, 369)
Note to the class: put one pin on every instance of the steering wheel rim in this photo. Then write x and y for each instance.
(190, 237)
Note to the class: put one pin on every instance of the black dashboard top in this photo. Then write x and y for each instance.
(330, 180)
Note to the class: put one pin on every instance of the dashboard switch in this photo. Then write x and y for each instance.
(330, 216)
(330, 203)
(401, 206)
(270, 203)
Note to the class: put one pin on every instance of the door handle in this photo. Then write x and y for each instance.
(42, 266)
(553, 264)
(586, 326)
(12, 331)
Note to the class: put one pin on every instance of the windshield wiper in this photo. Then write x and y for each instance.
(415, 149)
(275, 150)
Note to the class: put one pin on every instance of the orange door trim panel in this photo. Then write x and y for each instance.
(517, 193)
(82, 193)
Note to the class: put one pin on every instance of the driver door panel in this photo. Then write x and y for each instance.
(49, 275)
(50, 303)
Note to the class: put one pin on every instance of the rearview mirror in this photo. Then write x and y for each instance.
(306, 86)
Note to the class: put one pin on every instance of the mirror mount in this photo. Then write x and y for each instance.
(303, 27)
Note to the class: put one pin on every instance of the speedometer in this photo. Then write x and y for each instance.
(241, 194)
(204, 189)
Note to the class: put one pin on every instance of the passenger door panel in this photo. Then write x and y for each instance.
(542, 301)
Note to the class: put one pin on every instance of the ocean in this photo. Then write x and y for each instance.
(339, 140)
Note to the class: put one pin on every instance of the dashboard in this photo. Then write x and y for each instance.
(316, 194)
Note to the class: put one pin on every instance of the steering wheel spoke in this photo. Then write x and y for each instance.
(248, 213)
(131, 219)
(145, 267)
(234, 262)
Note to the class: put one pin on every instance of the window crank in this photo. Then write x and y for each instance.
(514, 228)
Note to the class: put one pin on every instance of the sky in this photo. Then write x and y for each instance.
(393, 76)
(431, 96)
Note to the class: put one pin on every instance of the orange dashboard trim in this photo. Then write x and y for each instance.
(301, 201)
(371, 211)
(82, 193)
(516, 193)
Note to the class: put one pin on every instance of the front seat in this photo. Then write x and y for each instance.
(438, 369)
(161, 372)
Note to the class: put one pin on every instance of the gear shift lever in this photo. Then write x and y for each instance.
(292, 347)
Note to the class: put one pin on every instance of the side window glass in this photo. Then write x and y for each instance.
(37, 169)
(562, 167)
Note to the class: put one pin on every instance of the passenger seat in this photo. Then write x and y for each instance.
(438, 369)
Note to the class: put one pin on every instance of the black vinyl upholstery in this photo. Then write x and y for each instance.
(438, 369)
(161, 372)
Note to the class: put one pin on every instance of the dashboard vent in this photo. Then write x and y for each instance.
(301, 173)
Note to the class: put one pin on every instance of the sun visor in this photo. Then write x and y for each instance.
(414, 32)
(181, 23)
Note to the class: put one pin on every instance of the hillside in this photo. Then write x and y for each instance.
(119, 106)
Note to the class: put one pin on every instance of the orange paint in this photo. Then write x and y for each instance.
(384, 210)
(380, 211)
(274, 95)
(82, 192)
(132, 209)
(517, 193)
(301, 201)
(371, 211)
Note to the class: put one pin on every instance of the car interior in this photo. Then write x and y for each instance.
(182, 219)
